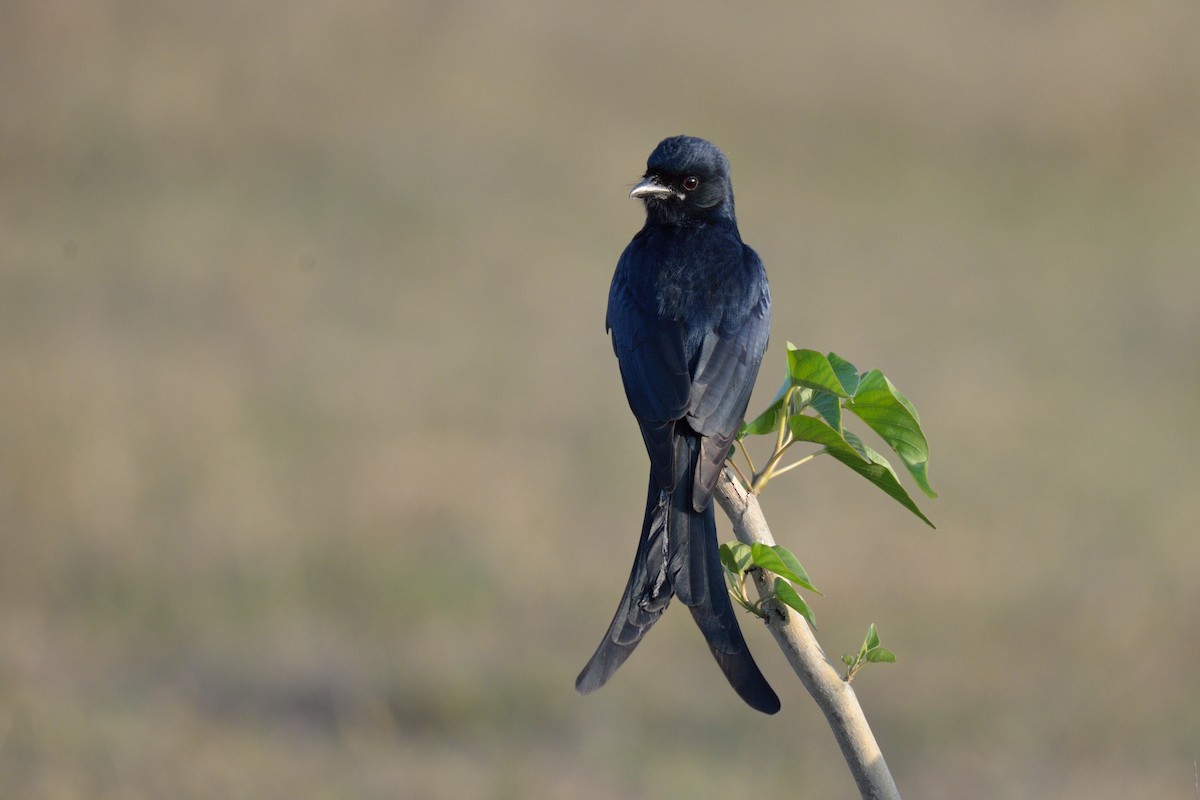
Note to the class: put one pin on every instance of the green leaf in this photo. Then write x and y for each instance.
(812, 369)
(793, 564)
(763, 423)
(765, 557)
(811, 429)
(735, 556)
(890, 414)
(872, 639)
(727, 558)
(801, 398)
(847, 660)
(877, 470)
(768, 420)
(829, 406)
(847, 448)
(846, 372)
(879, 655)
(789, 596)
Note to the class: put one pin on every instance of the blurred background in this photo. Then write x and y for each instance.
(316, 475)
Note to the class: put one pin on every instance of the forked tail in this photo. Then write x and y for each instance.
(678, 555)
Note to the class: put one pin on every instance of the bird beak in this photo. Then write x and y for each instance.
(651, 189)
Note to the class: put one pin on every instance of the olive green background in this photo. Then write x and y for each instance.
(317, 479)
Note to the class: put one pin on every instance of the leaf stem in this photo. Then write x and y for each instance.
(768, 470)
(786, 408)
(795, 464)
(746, 455)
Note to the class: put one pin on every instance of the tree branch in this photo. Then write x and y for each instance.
(834, 695)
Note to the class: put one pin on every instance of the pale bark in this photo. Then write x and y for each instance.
(834, 696)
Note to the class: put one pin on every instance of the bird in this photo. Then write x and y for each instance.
(689, 313)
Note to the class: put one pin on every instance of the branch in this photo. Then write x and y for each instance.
(834, 695)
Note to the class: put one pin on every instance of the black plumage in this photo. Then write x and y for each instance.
(689, 312)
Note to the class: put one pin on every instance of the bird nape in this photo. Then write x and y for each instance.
(689, 312)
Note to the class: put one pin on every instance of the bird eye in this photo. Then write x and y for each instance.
(691, 182)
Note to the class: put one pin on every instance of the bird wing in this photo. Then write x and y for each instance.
(725, 373)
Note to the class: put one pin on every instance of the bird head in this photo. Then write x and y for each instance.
(687, 179)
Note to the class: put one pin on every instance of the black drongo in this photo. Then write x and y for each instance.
(689, 312)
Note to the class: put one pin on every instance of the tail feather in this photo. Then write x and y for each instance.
(642, 604)
(678, 555)
(714, 615)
